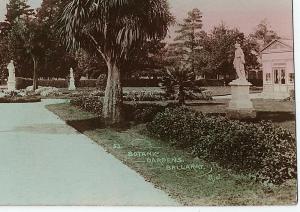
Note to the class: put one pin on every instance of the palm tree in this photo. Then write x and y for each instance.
(179, 81)
(114, 29)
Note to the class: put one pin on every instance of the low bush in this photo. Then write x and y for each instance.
(22, 83)
(203, 95)
(90, 103)
(143, 96)
(266, 152)
(142, 112)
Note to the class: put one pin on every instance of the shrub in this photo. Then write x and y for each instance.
(90, 103)
(260, 149)
(101, 81)
(89, 83)
(142, 112)
(143, 96)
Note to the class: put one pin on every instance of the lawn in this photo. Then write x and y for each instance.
(282, 113)
(189, 180)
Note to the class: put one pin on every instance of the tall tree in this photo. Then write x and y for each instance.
(57, 61)
(33, 38)
(264, 33)
(9, 49)
(219, 48)
(187, 44)
(179, 81)
(17, 9)
(114, 28)
(147, 61)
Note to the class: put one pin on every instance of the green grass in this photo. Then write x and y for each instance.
(207, 185)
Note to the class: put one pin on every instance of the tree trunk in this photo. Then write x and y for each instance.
(113, 95)
(181, 95)
(35, 74)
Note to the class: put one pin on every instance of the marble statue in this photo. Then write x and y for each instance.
(239, 62)
(11, 82)
(240, 105)
(72, 81)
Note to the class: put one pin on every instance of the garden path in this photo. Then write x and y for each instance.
(45, 162)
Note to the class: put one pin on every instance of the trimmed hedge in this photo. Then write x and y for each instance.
(53, 83)
(141, 82)
(209, 82)
(22, 83)
(266, 152)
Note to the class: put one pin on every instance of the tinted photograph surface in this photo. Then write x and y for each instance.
(147, 103)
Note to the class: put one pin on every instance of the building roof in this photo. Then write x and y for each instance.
(286, 42)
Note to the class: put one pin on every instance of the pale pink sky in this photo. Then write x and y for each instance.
(243, 14)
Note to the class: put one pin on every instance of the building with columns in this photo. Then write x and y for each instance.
(278, 69)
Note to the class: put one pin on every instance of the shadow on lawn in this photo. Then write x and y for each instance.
(275, 116)
(87, 124)
(95, 123)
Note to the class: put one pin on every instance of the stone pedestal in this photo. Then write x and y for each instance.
(11, 85)
(11, 81)
(240, 105)
(72, 86)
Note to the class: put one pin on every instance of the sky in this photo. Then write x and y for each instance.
(242, 14)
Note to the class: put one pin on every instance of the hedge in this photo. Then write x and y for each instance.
(209, 82)
(141, 82)
(22, 83)
(261, 150)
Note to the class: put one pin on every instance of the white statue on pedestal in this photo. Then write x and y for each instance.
(11, 82)
(239, 62)
(240, 88)
(72, 81)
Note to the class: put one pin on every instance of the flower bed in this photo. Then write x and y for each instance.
(261, 150)
(143, 96)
